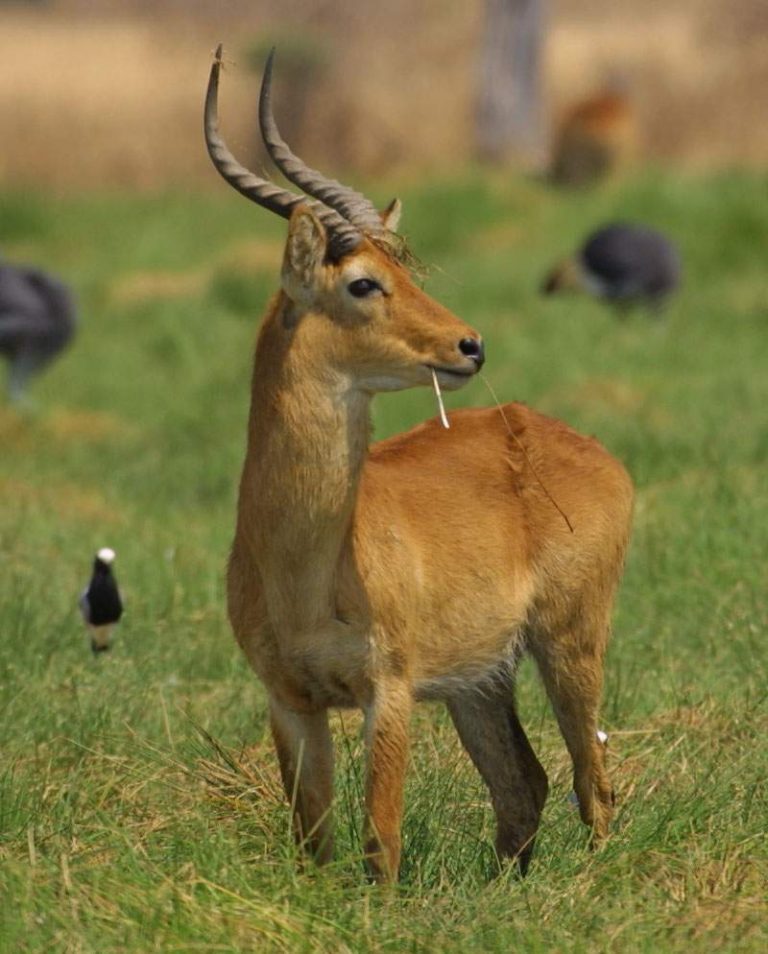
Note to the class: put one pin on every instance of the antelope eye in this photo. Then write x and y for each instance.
(363, 287)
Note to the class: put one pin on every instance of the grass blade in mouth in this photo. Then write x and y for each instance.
(443, 415)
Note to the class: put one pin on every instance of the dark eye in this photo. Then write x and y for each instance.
(363, 287)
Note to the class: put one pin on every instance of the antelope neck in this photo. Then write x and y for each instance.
(307, 442)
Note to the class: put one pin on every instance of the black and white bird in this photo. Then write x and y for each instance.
(623, 265)
(37, 321)
(100, 602)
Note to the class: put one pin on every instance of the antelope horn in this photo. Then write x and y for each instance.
(343, 236)
(352, 205)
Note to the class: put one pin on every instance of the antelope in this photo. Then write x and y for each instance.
(420, 567)
(597, 137)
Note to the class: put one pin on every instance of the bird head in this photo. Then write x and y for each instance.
(565, 276)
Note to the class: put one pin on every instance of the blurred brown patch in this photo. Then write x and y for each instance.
(14, 428)
(248, 256)
(597, 138)
(115, 98)
(696, 72)
(85, 426)
(63, 501)
(18, 431)
(23, 434)
(500, 235)
(258, 255)
(744, 296)
(611, 393)
(599, 395)
(144, 286)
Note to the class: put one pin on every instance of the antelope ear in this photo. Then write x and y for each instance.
(305, 252)
(391, 215)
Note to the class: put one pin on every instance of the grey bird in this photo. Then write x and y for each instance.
(37, 320)
(100, 602)
(622, 264)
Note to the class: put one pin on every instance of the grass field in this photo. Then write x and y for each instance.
(139, 802)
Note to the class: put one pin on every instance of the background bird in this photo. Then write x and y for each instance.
(100, 603)
(37, 320)
(622, 264)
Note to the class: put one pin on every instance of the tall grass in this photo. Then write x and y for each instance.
(139, 803)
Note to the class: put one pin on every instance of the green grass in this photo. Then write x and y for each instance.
(139, 804)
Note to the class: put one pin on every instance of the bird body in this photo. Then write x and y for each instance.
(37, 320)
(622, 264)
(100, 602)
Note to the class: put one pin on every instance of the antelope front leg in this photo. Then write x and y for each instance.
(305, 753)
(387, 725)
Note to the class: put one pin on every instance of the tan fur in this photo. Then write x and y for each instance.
(420, 567)
(597, 137)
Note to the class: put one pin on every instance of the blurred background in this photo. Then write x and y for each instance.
(109, 93)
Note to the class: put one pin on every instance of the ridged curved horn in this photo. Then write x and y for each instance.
(351, 204)
(343, 237)
(259, 190)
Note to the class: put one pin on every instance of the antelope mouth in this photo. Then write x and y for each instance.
(453, 374)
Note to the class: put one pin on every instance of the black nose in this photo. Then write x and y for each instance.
(473, 348)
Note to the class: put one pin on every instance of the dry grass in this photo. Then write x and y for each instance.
(115, 99)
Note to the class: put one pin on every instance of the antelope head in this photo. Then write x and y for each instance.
(349, 293)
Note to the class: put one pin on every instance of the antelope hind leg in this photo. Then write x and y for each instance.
(305, 754)
(490, 731)
(573, 677)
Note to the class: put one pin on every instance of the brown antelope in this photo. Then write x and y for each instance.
(420, 567)
(597, 137)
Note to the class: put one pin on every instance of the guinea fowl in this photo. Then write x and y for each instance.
(37, 321)
(622, 264)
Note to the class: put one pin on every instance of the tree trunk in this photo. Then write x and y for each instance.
(508, 118)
